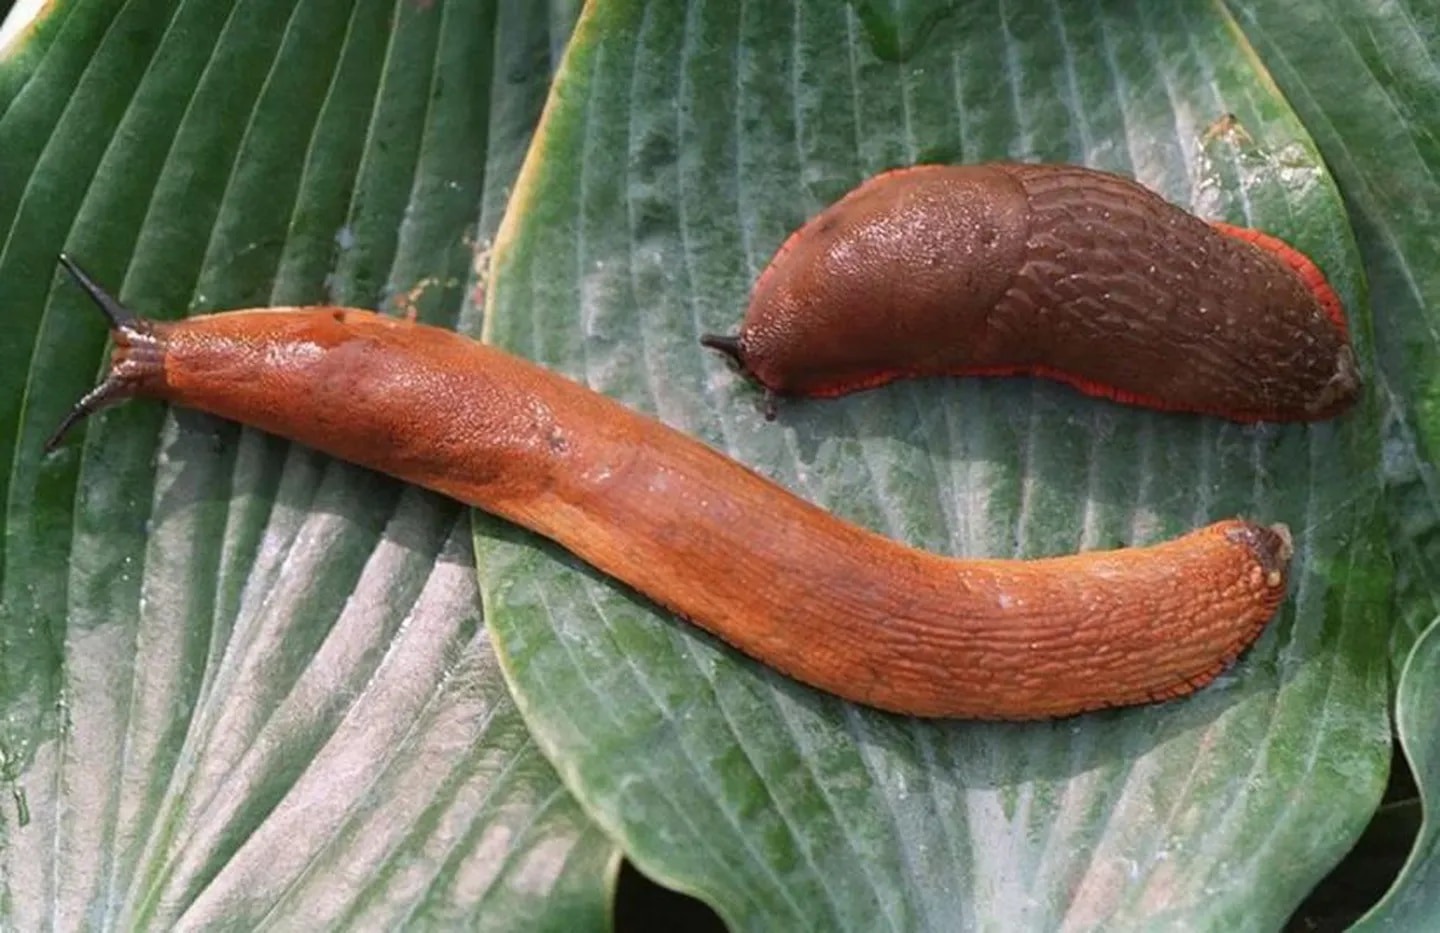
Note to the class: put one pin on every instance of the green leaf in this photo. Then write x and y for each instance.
(1364, 78)
(1413, 902)
(241, 683)
(682, 143)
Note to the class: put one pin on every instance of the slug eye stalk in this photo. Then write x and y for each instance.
(137, 354)
(727, 345)
(118, 315)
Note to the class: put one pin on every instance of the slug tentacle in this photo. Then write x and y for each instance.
(118, 314)
(138, 358)
(727, 345)
(734, 352)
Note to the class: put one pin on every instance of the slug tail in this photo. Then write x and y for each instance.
(1298, 263)
(138, 357)
(1271, 548)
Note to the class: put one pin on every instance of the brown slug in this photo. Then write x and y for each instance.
(1048, 270)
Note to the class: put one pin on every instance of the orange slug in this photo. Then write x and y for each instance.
(1046, 270)
(822, 600)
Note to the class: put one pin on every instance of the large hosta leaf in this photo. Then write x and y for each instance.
(681, 145)
(241, 683)
(1366, 81)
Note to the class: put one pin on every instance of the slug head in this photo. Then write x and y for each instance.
(874, 286)
(138, 358)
